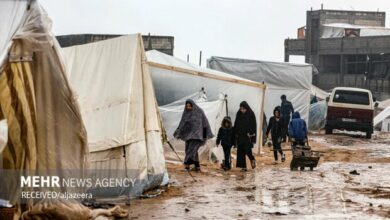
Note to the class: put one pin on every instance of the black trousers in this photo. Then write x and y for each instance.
(242, 153)
(277, 147)
(228, 160)
(285, 122)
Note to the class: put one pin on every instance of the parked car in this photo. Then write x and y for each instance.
(351, 109)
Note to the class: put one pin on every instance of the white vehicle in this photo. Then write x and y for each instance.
(350, 109)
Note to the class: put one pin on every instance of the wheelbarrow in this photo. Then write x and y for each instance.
(303, 157)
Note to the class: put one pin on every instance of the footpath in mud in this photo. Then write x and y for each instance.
(351, 181)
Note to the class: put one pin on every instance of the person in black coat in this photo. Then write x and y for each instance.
(275, 126)
(225, 138)
(286, 109)
(245, 130)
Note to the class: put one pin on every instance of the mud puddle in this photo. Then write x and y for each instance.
(352, 181)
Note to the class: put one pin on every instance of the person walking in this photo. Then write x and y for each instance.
(297, 130)
(245, 131)
(225, 138)
(194, 129)
(286, 109)
(275, 127)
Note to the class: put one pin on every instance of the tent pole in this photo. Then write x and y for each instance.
(226, 105)
(260, 149)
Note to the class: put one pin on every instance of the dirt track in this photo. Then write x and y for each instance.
(275, 192)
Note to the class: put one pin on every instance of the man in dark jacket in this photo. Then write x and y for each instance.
(286, 109)
(297, 130)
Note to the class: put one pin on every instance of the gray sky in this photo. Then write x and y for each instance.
(253, 29)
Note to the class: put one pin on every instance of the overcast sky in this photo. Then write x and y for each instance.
(253, 29)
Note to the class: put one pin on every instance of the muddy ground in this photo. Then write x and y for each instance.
(275, 192)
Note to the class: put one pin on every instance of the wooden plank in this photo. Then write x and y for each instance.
(261, 121)
(207, 75)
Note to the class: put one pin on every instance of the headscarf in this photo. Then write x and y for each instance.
(193, 124)
(245, 123)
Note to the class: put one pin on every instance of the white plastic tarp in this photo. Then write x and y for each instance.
(171, 115)
(174, 79)
(384, 104)
(338, 30)
(293, 80)
(3, 134)
(386, 125)
(317, 116)
(10, 18)
(382, 116)
(118, 106)
(319, 93)
(43, 120)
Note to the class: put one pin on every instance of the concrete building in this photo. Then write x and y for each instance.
(163, 44)
(349, 48)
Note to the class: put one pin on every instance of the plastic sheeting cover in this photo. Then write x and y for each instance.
(319, 93)
(3, 134)
(293, 80)
(317, 115)
(338, 30)
(11, 15)
(384, 104)
(171, 85)
(171, 116)
(382, 116)
(46, 108)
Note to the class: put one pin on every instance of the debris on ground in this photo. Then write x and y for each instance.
(354, 172)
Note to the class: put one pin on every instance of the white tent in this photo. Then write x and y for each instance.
(174, 79)
(118, 106)
(293, 80)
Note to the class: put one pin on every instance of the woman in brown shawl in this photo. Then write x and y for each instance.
(194, 129)
(245, 132)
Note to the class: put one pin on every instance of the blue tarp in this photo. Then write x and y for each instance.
(317, 115)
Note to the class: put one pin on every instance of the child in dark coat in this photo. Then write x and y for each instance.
(225, 138)
(275, 126)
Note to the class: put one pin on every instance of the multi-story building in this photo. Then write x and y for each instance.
(349, 48)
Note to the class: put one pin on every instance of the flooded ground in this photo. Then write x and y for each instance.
(352, 181)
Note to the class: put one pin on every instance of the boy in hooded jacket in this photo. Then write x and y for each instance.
(297, 130)
(225, 138)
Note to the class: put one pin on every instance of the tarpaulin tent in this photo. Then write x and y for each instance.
(113, 87)
(174, 79)
(293, 80)
(45, 130)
